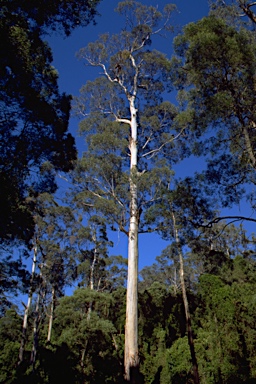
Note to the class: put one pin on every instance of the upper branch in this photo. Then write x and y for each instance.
(153, 151)
(220, 218)
(248, 11)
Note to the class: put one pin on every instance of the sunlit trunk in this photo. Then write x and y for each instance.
(131, 361)
(51, 315)
(27, 307)
(91, 283)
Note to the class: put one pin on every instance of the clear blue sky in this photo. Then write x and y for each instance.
(73, 74)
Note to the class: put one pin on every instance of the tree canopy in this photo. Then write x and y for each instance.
(34, 115)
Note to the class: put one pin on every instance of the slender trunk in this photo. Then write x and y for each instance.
(186, 306)
(91, 285)
(175, 283)
(51, 316)
(27, 308)
(131, 358)
(89, 312)
(95, 253)
(37, 320)
(92, 277)
(83, 356)
(35, 332)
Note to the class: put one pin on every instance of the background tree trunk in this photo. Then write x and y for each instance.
(51, 316)
(186, 305)
(28, 306)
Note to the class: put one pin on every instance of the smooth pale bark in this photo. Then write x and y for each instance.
(175, 283)
(91, 282)
(186, 306)
(27, 308)
(131, 358)
(131, 325)
(95, 257)
(51, 316)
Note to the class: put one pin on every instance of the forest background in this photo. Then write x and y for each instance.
(193, 311)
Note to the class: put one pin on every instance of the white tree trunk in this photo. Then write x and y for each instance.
(131, 361)
(27, 307)
(95, 253)
(51, 316)
(92, 268)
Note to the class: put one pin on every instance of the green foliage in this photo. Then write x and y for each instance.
(14, 280)
(34, 114)
(215, 71)
(161, 322)
(92, 338)
(62, 16)
(88, 333)
(179, 361)
(10, 334)
(222, 340)
(231, 11)
(218, 303)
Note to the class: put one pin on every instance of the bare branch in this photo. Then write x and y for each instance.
(251, 4)
(153, 151)
(147, 141)
(126, 121)
(248, 11)
(220, 218)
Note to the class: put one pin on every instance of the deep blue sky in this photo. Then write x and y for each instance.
(73, 74)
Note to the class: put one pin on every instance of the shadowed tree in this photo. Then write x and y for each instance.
(33, 113)
(215, 71)
(51, 267)
(93, 341)
(185, 300)
(34, 139)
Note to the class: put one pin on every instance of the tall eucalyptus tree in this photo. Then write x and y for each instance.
(132, 137)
